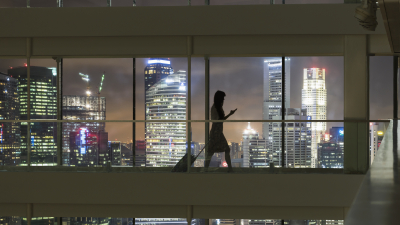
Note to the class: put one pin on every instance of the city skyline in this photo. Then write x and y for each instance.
(118, 86)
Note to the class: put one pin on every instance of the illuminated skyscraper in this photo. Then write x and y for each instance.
(9, 132)
(88, 148)
(166, 100)
(297, 140)
(156, 70)
(314, 100)
(273, 92)
(255, 153)
(43, 105)
(77, 107)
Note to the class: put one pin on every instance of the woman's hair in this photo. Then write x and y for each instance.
(218, 99)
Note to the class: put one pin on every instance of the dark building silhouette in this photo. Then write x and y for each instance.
(114, 148)
(140, 153)
(331, 153)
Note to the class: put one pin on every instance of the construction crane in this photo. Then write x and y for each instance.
(85, 77)
(98, 93)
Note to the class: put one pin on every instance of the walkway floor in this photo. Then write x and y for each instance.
(378, 199)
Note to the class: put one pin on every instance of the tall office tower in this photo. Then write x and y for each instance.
(43, 105)
(166, 141)
(156, 70)
(254, 149)
(10, 133)
(114, 148)
(77, 107)
(258, 153)
(297, 140)
(140, 153)
(313, 99)
(272, 105)
(88, 148)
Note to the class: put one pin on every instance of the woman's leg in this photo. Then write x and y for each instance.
(228, 160)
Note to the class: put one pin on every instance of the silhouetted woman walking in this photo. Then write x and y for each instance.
(218, 141)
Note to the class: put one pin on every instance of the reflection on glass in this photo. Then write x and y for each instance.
(377, 131)
(380, 87)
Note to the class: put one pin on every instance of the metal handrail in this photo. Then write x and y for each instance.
(183, 121)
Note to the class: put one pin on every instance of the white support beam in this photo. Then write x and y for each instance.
(177, 20)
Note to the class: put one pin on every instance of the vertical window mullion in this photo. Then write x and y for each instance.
(28, 102)
(207, 103)
(283, 111)
(59, 111)
(188, 103)
(134, 115)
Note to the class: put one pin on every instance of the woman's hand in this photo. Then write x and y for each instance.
(232, 112)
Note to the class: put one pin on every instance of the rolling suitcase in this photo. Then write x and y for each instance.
(181, 166)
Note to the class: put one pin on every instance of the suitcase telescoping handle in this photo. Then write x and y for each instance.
(202, 149)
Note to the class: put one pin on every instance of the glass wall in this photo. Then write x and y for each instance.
(380, 100)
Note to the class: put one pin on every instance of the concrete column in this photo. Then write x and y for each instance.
(29, 213)
(356, 104)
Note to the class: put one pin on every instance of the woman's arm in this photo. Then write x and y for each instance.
(231, 113)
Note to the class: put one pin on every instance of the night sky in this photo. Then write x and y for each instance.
(240, 78)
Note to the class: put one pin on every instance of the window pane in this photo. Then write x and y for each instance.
(381, 87)
(161, 95)
(43, 105)
(317, 91)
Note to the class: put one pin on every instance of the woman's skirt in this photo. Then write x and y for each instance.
(218, 141)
